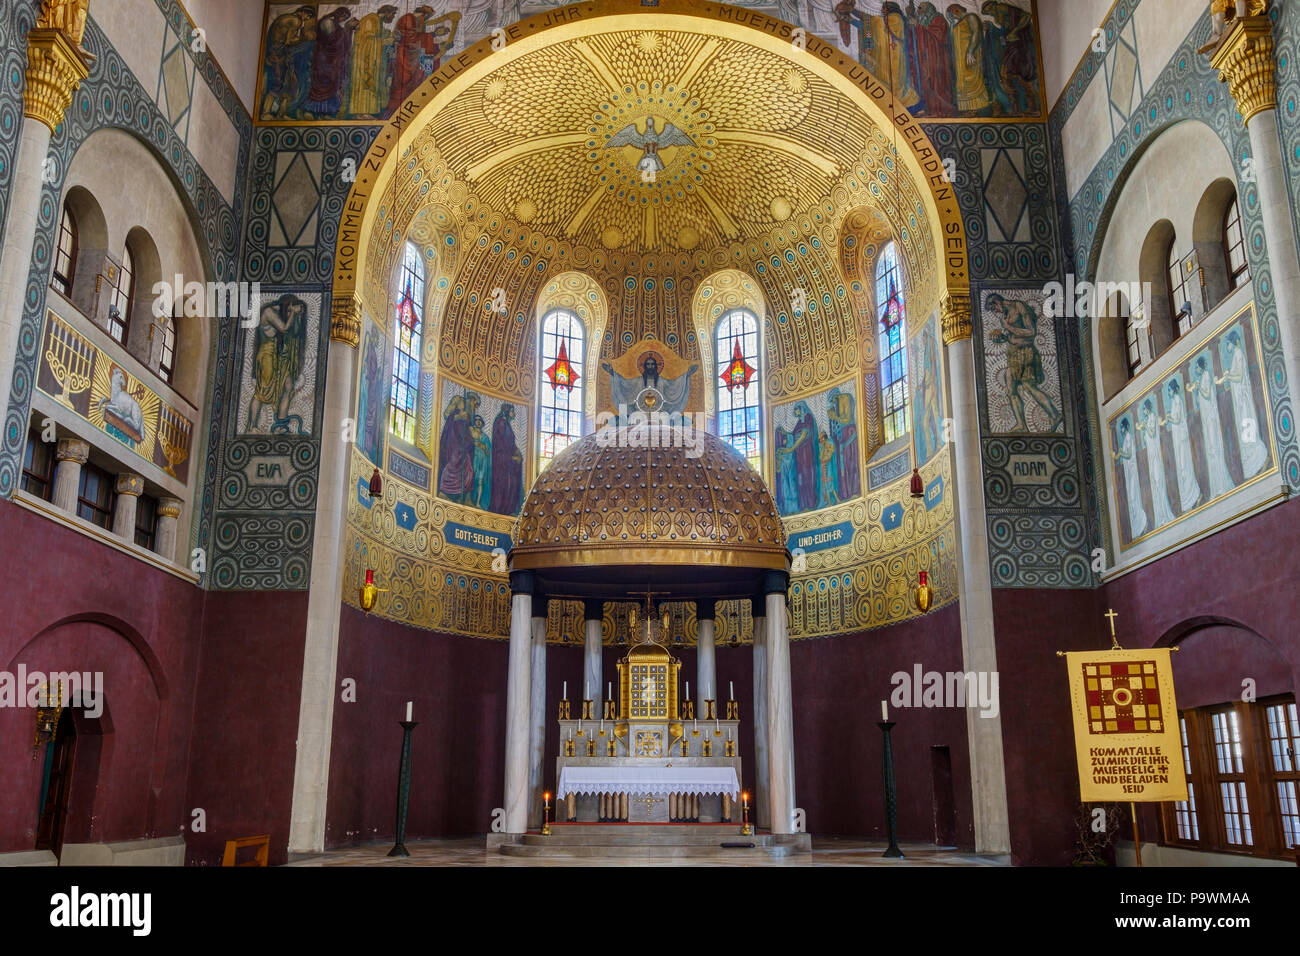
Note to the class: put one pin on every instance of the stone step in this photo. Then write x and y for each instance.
(611, 836)
(645, 851)
(656, 830)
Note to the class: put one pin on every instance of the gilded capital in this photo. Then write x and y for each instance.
(129, 484)
(1245, 61)
(954, 311)
(169, 507)
(345, 319)
(56, 65)
(72, 449)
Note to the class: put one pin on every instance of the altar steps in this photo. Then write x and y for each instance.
(665, 841)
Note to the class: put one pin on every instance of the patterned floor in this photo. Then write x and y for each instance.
(470, 851)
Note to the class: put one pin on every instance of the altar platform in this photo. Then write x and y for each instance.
(722, 842)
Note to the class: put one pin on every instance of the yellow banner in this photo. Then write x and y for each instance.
(1126, 736)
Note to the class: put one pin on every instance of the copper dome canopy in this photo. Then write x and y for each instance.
(598, 505)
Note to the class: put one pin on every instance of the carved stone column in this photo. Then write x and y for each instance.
(706, 671)
(978, 646)
(164, 537)
(71, 455)
(537, 711)
(780, 706)
(1245, 59)
(320, 652)
(593, 655)
(758, 611)
(56, 65)
(129, 488)
(517, 702)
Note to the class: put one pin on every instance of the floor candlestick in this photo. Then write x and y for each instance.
(403, 788)
(891, 790)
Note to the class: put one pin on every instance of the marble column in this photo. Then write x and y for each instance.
(164, 536)
(55, 68)
(517, 702)
(537, 712)
(780, 707)
(71, 454)
(592, 660)
(1246, 61)
(762, 813)
(325, 592)
(706, 670)
(979, 649)
(129, 488)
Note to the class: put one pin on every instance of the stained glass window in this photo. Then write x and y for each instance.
(561, 388)
(740, 410)
(408, 327)
(891, 313)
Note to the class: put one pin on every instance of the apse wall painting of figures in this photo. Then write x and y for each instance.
(815, 450)
(1020, 363)
(927, 392)
(277, 394)
(373, 392)
(326, 61)
(482, 446)
(1194, 437)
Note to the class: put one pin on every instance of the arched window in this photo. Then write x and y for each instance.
(408, 326)
(891, 315)
(65, 256)
(564, 340)
(1234, 246)
(120, 302)
(740, 410)
(1180, 301)
(1133, 335)
(167, 350)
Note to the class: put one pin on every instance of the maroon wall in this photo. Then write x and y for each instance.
(246, 720)
(73, 603)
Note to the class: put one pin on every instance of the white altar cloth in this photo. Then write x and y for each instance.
(647, 780)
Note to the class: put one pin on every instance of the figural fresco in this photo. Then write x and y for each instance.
(359, 61)
(1020, 364)
(372, 393)
(815, 451)
(482, 442)
(279, 371)
(927, 392)
(1192, 437)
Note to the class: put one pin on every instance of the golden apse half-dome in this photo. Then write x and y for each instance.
(678, 505)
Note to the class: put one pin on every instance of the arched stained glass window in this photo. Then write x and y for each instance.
(891, 314)
(739, 402)
(408, 328)
(561, 388)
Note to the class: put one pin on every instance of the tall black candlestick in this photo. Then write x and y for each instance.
(403, 788)
(891, 791)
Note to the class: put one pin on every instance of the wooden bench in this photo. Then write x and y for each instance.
(262, 843)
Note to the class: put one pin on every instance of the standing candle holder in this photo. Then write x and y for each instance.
(588, 710)
(733, 710)
(610, 713)
(403, 789)
(710, 710)
(891, 791)
(564, 710)
(546, 814)
(591, 747)
(688, 710)
(745, 830)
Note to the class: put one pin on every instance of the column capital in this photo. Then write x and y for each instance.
(593, 609)
(758, 605)
(1245, 61)
(56, 65)
(954, 312)
(72, 449)
(129, 483)
(775, 582)
(522, 582)
(705, 609)
(169, 507)
(345, 319)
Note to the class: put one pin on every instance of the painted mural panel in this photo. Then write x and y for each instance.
(1021, 370)
(1193, 437)
(816, 460)
(927, 391)
(481, 448)
(372, 393)
(278, 391)
(90, 382)
(325, 61)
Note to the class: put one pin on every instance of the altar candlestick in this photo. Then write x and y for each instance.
(408, 711)
(884, 710)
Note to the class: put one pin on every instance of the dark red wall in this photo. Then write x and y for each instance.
(73, 603)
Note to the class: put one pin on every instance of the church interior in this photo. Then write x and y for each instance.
(504, 432)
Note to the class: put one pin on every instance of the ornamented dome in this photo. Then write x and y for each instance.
(599, 505)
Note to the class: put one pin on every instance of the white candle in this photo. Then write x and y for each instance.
(731, 691)
(564, 695)
(688, 690)
(609, 690)
(586, 691)
(408, 711)
(884, 710)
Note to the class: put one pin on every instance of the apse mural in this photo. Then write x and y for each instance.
(1194, 436)
(1020, 363)
(816, 461)
(927, 392)
(278, 394)
(373, 393)
(482, 441)
(359, 61)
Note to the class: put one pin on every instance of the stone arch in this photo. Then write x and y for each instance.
(1206, 642)
(1208, 238)
(92, 242)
